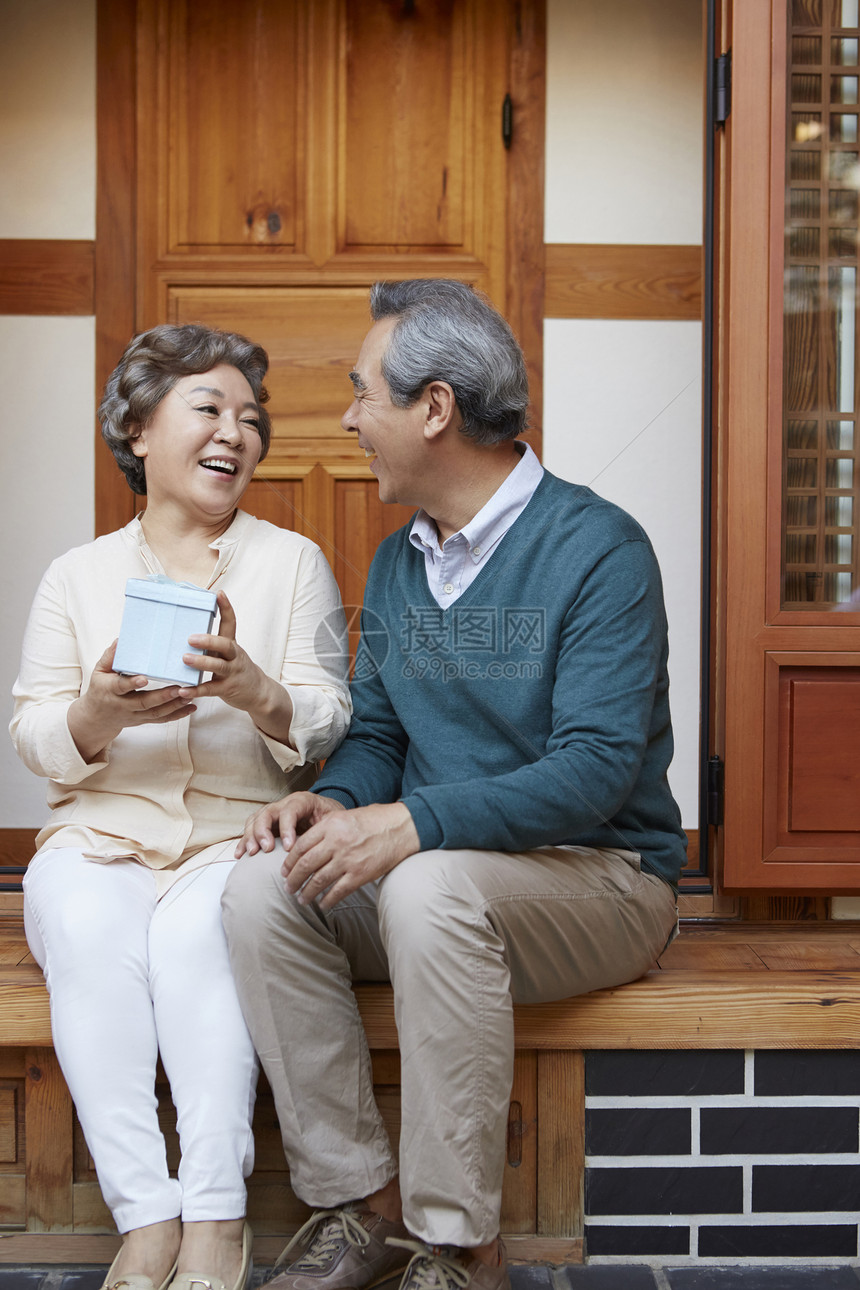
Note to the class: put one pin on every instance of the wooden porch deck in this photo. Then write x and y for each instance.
(720, 985)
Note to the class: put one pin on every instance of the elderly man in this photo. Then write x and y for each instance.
(497, 826)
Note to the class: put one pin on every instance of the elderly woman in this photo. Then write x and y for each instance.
(149, 789)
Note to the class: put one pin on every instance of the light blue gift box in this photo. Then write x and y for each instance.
(158, 618)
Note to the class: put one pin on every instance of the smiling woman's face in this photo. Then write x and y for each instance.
(202, 444)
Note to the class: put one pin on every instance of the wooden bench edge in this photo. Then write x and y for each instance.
(677, 1010)
(662, 1010)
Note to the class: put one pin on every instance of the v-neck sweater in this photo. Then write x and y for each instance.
(535, 710)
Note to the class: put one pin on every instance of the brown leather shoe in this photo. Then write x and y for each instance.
(341, 1249)
(445, 1267)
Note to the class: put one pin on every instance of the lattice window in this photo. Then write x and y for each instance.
(821, 461)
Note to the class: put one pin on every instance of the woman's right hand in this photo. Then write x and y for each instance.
(113, 701)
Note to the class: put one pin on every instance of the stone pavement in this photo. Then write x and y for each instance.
(593, 1277)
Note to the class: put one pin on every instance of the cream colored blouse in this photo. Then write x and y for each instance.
(177, 795)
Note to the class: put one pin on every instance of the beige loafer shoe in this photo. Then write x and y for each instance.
(203, 1281)
(133, 1280)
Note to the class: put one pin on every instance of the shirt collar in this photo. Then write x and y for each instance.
(493, 519)
(225, 545)
(237, 527)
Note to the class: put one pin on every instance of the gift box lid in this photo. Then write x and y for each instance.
(171, 593)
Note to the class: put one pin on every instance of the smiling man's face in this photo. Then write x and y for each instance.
(391, 437)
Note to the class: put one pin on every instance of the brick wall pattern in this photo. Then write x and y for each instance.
(722, 1156)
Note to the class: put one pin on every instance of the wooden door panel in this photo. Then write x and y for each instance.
(321, 130)
(341, 513)
(312, 336)
(403, 180)
(422, 169)
(234, 100)
(802, 816)
(811, 820)
(360, 523)
(824, 742)
(279, 502)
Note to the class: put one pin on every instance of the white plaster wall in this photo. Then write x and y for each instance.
(622, 403)
(624, 121)
(47, 118)
(47, 415)
(845, 907)
(47, 506)
(622, 410)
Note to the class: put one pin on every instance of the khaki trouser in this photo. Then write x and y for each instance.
(460, 934)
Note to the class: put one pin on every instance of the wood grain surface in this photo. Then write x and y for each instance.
(606, 281)
(46, 276)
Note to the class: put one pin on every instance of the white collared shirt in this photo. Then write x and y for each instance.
(453, 566)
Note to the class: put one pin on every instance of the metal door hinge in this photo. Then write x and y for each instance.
(507, 120)
(716, 790)
(722, 88)
(516, 1129)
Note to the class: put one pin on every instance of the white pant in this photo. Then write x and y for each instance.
(130, 975)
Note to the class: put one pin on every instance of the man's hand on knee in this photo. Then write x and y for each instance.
(343, 851)
(285, 818)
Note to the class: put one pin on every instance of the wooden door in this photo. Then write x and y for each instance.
(289, 153)
(790, 449)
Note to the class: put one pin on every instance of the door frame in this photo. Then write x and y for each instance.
(765, 649)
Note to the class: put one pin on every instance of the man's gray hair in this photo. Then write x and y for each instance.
(446, 331)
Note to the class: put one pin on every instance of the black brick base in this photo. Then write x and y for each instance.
(723, 1155)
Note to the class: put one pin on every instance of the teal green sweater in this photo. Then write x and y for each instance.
(535, 709)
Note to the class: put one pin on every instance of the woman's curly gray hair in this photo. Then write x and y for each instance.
(150, 367)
